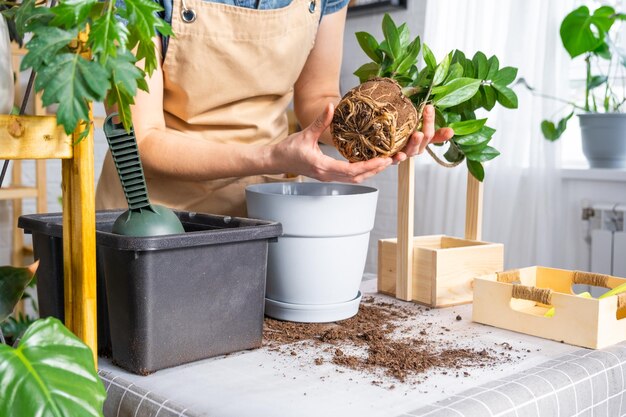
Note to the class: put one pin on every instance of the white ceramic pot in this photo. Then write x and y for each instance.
(6, 71)
(604, 139)
(315, 268)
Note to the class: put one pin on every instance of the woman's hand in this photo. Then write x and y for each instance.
(300, 154)
(419, 140)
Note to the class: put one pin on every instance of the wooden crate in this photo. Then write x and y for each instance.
(443, 268)
(518, 300)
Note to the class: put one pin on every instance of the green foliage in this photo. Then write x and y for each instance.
(51, 373)
(13, 282)
(457, 86)
(589, 35)
(74, 69)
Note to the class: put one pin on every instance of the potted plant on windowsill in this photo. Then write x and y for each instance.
(593, 36)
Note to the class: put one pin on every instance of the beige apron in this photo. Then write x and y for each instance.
(228, 78)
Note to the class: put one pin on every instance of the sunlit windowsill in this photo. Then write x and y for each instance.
(582, 171)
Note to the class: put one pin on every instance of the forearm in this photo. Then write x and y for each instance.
(175, 155)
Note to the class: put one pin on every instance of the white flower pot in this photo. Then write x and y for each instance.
(315, 268)
(604, 139)
(6, 71)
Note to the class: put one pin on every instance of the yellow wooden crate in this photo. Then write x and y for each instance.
(588, 322)
(443, 268)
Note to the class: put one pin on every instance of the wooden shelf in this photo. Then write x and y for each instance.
(13, 193)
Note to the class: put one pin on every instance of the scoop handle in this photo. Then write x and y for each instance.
(125, 153)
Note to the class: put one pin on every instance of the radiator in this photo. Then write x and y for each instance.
(608, 238)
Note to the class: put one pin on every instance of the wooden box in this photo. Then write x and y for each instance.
(518, 300)
(443, 268)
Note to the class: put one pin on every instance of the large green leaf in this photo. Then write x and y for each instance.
(367, 71)
(455, 92)
(369, 45)
(474, 139)
(483, 155)
(494, 65)
(391, 36)
(505, 76)
(46, 42)
(441, 71)
(429, 57)
(125, 79)
(583, 32)
(489, 96)
(72, 13)
(13, 282)
(552, 131)
(476, 169)
(29, 17)
(50, 374)
(410, 58)
(505, 96)
(107, 34)
(481, 65)
(71, 81)
(467, 127)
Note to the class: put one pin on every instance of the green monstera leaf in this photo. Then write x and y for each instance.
(13, 282)
(50, 374)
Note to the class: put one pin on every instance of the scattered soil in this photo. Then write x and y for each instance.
(375, 341)
(373, 119)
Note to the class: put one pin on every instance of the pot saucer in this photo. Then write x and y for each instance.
(312, 313)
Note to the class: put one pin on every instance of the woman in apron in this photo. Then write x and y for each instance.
(215, 119)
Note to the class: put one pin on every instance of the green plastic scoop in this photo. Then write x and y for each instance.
(141, 218)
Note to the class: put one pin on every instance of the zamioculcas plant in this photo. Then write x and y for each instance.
(50, 372)
(75, 66)
(377, 117)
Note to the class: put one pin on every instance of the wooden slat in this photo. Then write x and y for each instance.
(42, 186)
(404, 260)
(12, 193)
(33, 137)
(79, 242)
(474, 209)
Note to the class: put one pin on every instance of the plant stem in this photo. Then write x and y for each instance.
(588, 81)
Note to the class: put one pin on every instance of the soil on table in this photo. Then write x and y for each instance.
(377, 341)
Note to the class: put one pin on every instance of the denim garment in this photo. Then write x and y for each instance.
(328, 7)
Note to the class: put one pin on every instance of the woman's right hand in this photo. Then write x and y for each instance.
(300, 153)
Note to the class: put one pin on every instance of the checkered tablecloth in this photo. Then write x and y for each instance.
(584, 383)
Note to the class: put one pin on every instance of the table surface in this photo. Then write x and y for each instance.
(266, 382)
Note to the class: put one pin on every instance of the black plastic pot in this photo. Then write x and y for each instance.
(171, 299)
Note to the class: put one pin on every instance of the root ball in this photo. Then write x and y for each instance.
(373, 119)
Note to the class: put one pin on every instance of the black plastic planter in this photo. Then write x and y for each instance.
(177, 298)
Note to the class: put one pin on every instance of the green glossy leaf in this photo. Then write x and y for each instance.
(455, 92)
(494, 65)
(552, 131)
(13, 282)
(485, 154)
(424, 77)
(391, 36)
(440, 118)
(28, 17)
(505, 96)
(441, 71)
(476, 169)
(143, 21)
(72, 81)
(106, 34)
(370, 46)
(583, 32)
(429, 57)
(452, 117)
(481, 65)
(44, 46)
(456, 71)
(468, 69)
(410, 57)
(603, 51)
(505, 76)
(367, 71)
(125, 79)
(51, 373)
(72, 13)
(404, 35)
(475, 139)
(596, 81)
(489, 96)
(467, 127)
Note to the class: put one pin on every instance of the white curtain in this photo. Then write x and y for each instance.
(521, 188)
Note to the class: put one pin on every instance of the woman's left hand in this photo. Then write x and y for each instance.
(419, 140)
